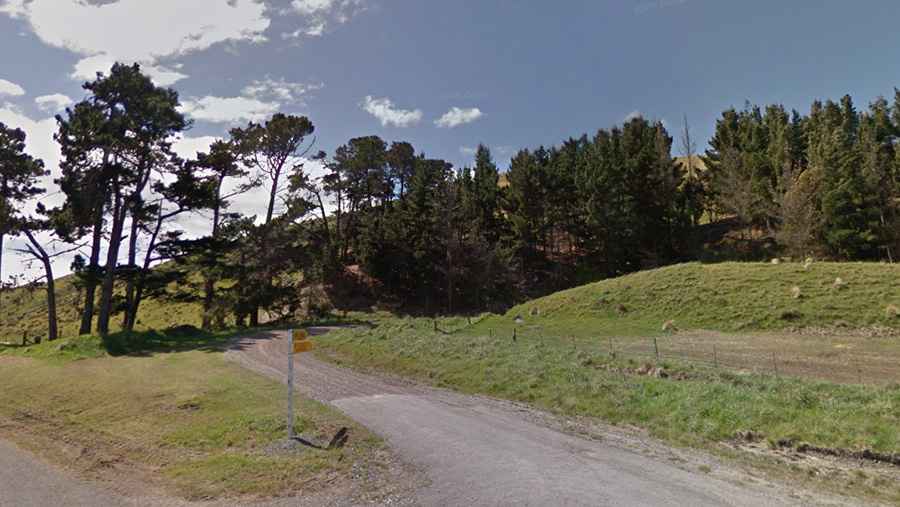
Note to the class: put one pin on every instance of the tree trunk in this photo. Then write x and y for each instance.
(53, 332)
(273, 194)
(90, 286)
(209, 285)
(112, 256)
(127, 319)
(41, 254)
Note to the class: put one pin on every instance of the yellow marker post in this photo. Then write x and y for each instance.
(298, 342)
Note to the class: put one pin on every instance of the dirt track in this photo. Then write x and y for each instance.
(479, 451)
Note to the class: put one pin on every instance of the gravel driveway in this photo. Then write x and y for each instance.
(477, 451)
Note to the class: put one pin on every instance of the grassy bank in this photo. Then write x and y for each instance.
(25, 312)
(727, 297)
(187, 423)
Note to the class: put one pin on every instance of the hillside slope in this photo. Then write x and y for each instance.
(23, 312)
(727, 297)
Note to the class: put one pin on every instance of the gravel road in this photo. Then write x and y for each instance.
(477, 451)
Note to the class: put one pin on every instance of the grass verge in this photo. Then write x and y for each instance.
(187, 423)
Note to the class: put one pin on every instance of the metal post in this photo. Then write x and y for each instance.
(290, 420)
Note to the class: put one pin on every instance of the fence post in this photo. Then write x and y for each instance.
(656, 348)
(514, 334)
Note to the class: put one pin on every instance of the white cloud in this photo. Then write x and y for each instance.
(320, 14)
(39, 142)
(633, 115)
(279, 90)
(312, 6)
(387, 114)
(14, 8)
(457, 116)
(140, 31)
(258, 100)
(468, 151)
(11, 89)
(53, 103)
(228, 109)
(86, 69)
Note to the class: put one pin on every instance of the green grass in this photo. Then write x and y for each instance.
(24, 312)
(561, 361)
(729, 296)
(695, 407)
(187, 422)
(577, 377)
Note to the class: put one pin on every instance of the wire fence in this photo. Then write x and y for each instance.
(754, 355)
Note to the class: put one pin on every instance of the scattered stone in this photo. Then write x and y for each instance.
(534, 312)
(776, 261)
(519, 319)
(795, 292)
(839, 283)
(892, 312)
(807, 263)
(669, 327)
(621, 309)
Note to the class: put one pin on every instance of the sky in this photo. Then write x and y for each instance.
(444, 75)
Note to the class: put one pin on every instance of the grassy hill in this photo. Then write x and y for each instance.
(23, 312)
(733, 374)
(726, 297)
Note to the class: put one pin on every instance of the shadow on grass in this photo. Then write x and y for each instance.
(175, 339)
(190, 338)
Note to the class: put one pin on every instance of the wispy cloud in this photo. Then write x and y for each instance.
(228, 109)
(11, 89)
(384, 110)
(457, 116)
(320, 15)
(280, 90)
(53, 103)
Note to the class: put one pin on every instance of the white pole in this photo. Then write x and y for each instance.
(290, 384)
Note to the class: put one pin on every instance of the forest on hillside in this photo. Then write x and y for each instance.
(390, 224)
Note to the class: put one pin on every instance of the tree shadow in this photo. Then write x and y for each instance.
(188, 338)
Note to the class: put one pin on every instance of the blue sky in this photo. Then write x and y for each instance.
(509, 74)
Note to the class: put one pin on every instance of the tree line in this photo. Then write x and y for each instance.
(428, 237)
